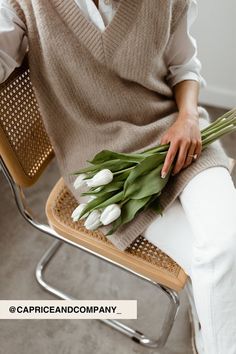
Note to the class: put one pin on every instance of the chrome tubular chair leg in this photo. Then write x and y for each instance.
(135, 335)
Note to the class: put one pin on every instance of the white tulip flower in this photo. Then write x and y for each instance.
(93, 220)
(77, 211)
(101, 178)
(79, 182)
(110, 213)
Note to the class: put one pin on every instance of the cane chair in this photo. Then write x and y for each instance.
(25, 151)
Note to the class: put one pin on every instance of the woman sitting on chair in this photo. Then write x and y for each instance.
(124, 75)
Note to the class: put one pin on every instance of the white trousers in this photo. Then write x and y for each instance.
(199, 232)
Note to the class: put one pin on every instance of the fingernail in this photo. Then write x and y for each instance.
(163, 174)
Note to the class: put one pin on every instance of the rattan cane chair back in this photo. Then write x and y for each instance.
(25, 147)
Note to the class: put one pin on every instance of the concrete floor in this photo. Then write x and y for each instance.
(80, 275)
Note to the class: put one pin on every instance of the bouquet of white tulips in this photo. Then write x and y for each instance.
(121, 185)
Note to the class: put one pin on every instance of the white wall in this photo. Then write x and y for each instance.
(215, 32)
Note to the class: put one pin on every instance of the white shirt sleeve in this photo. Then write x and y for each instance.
(181, 54)
(13, 40)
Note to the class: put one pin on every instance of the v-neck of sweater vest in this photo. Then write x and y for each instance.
(102, 44)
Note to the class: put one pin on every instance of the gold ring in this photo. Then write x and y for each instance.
(194, 156)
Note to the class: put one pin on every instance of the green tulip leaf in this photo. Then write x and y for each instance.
(122, 176)
(106, 155)
(148, 184)
(153, 198)
(156, 206)
(148, 164)
(113, 165)
(92, 191)
(130, 208)
(113, 199)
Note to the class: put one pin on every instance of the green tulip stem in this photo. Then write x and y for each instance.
(217, 126)
(211, 138)
(229, 120)
(126, 169)
(123, 202)
(217, 129)
(225, 118)
(159, 148)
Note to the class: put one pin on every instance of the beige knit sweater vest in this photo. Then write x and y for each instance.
(108, 90)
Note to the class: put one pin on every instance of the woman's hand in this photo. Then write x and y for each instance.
(185, 139)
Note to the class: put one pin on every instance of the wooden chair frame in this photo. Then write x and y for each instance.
(20, 174)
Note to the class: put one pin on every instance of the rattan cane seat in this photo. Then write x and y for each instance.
(141, 256)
